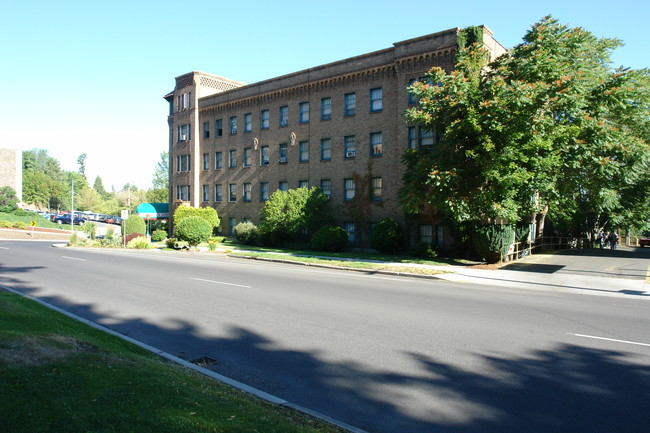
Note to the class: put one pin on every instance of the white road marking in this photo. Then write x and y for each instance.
(610, 339)
(4, 248)
(74, 258)
(222, 282)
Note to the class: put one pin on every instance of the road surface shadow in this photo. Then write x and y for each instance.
(569, 388)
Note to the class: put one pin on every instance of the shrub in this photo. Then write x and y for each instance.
(214, 241)
(423, 250)
(246, 233)
(140, 242)
(19, 225)
(134, 224)
(207, 213)
(329, 238)
(89, 229)
(128, 238)
(74, 239)
(5, 224)
(8, 199)
(193, 230)
(110, 233)
(159, 235)
(386, 237)
(491, 242)
(113, 241)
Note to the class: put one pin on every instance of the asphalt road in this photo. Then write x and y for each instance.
(382, 353)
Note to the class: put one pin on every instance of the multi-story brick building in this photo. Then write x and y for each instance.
(11, 170)
(339, 126)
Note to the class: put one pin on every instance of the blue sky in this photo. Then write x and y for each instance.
(88, 77)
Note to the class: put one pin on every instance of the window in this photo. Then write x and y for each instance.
(303, 149)
(248, 122)
(232, 192)
(349, 227)
(206, 129)
(247, 157)
(426, 233)
(376, 100)
(183, 192)
(325, 108)
(350, 104)
(348, 189)
(218, 128)
(264, 119)
(376, 190)
(283, 185)
(264, 191)
(264, 155)
(248, 190)
(232, 222)
(325, 149)
(218, 192)
(303, 184)
(233, 125)
(218, 160)
(411, 97)
(326, 187)
(350, 146)
(205, 158)
(183, 163)
(284, 116)
(232, 158)
(376, 144)
(304, 112)
(184, 101)
(412, 138)
(184, 133)
(205, 189)
(283, 153)
(426, 137)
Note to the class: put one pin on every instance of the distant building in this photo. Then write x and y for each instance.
(11, 170)
(339, 126)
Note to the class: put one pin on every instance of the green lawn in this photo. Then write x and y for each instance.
(27, 219)
(59, 375)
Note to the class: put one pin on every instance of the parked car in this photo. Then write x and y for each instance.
(644, 242)
(65, 219)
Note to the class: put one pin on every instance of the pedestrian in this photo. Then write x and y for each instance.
(607, 238)
(614, 240)
(601, 239)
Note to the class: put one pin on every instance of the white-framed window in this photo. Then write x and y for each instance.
(232, 158)
(303, 149)
(206, 129)
(206, 161)
(232, 192)
(284, 116)
(233, 125)
(325, 108)
(248, 192)
(376, 189)
(350, 104)
(184, 101)
(426, 233)
(218, 192)
(283, 153)
(264, 155)
(325, 149)
(264, 119)
(326, 187)
(183, 192)
(183, 163)
(218, 128)
(418, 136)
(283, 185)
(264, 191)
(247, 157)
(248, 122)
(376, 103)
(376, 144)
(218, 160)
(348, 226)
(350, 146)
(303, 184)
(348, 189)
(205, 190)
(184, 132)
(304, 112)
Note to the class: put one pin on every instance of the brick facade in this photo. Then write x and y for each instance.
(11, 170)
(268, 157)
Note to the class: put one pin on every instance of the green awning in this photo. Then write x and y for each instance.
(153, 211)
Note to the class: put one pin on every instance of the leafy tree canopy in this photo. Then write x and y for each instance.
(549, 127)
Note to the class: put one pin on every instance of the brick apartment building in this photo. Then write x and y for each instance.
(339, 126)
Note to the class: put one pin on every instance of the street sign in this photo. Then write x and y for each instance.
(33, 224)
(124, 214)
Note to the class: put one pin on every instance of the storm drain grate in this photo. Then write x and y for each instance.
(204, 361)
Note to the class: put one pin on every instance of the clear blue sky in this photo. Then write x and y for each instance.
(88, 77)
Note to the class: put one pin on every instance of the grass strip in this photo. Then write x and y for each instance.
(341, 263)
(60, 375)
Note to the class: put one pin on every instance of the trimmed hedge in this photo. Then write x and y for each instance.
(386, 237)
(329, 238)
(193, 230)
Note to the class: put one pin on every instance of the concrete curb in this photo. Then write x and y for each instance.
(221, 378)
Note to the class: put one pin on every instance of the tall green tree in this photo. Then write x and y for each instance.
(98, 186)
(160, 191)
(549, 128)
